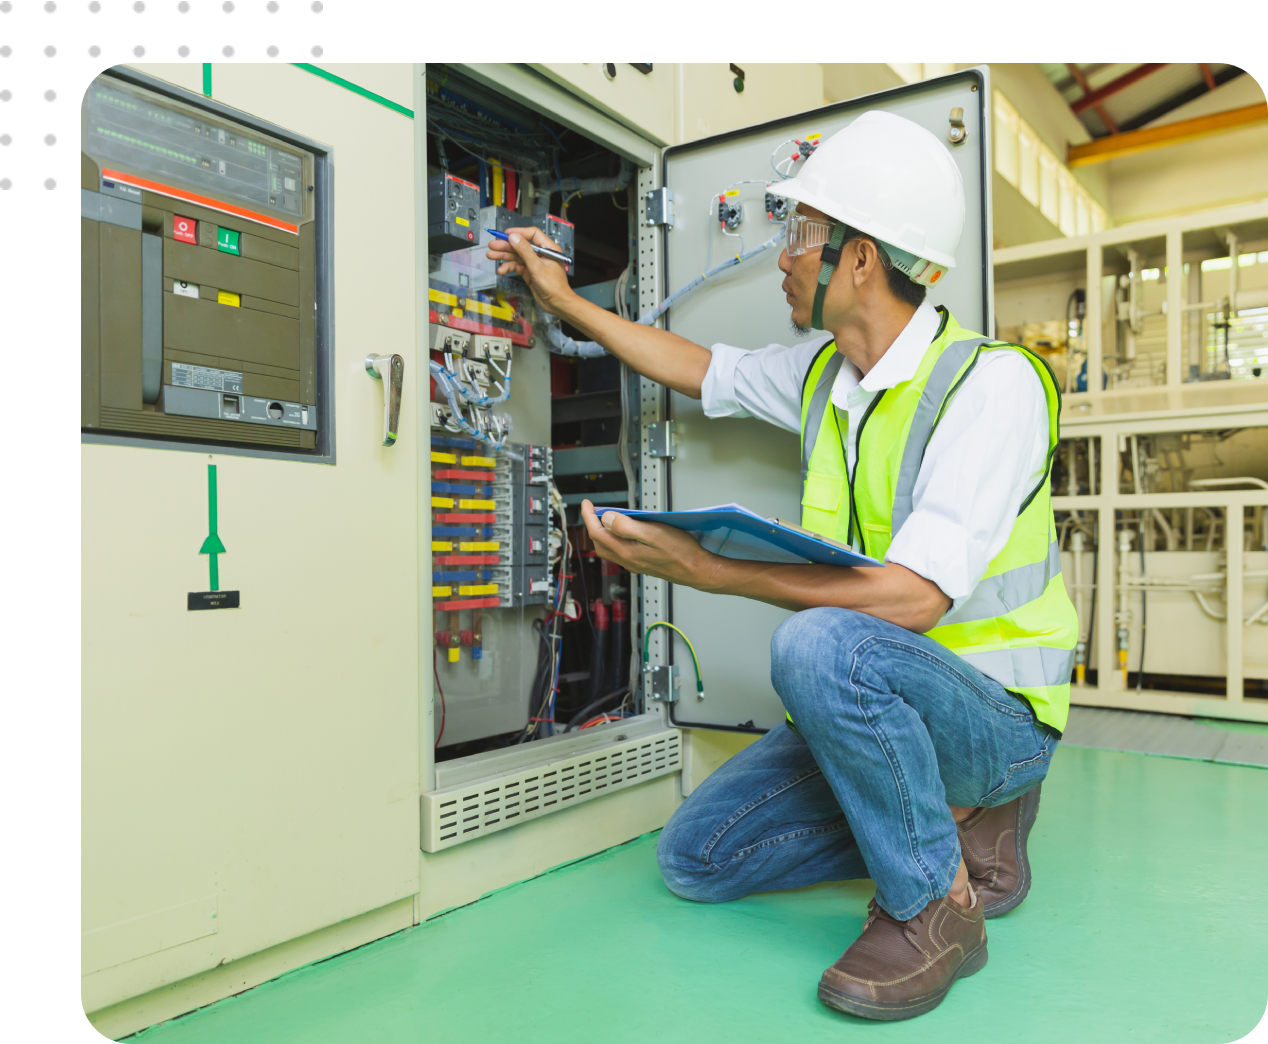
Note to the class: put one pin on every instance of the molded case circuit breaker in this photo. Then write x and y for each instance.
(199, 274)
(453, 211)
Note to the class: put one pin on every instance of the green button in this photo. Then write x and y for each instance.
(227, 240)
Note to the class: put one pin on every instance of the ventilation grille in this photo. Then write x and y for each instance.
(462, 813)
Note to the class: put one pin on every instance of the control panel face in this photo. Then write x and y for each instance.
(127, 127)
(199, 274)
(453, 210)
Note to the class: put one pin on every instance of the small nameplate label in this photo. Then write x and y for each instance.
(213, 599)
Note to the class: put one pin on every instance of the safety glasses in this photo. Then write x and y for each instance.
(806, 233)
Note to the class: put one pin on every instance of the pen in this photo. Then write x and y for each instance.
(554, 255)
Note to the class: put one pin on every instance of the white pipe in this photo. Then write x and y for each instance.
(1167, 531)
(1080, 650)
(1231, 481)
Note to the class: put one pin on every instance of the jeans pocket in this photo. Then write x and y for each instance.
(1021, 776)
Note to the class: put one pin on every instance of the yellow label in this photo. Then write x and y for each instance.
(479, 545)
(504, 313)
(478, 589)
(466, 503)
(442, 502)
(444, 458)
(442, 545)
(463, 222)
(225, 297)
(732, 192)
(457, 313)
(453, 655)
(440, 297)
(480, 462)
(813, 137)
(443, 591)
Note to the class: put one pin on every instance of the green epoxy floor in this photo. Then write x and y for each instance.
(1148, 920)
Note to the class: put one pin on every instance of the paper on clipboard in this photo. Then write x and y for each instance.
(734, 531)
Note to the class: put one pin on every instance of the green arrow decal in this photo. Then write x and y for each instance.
(212, 545)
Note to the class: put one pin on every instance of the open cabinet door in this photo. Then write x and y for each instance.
(746, 460)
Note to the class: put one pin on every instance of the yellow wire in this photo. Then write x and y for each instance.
(695, 660)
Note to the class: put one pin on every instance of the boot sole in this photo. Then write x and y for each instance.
(880, 1011)
(1029, 811)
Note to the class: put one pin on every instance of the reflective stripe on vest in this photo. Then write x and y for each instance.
(1018, 625)
(928, 411)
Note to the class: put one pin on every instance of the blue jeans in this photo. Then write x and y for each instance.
(891, 727)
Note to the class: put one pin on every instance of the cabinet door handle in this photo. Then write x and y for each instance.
(391, 370)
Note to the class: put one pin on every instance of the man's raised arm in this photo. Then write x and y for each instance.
(663, 356)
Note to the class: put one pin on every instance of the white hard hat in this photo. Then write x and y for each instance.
(890, 178)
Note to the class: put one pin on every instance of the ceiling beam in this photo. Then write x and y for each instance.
(1206, 75)
(1081, 80)
(1114, 86)
(1143, 119)
(1130, 142)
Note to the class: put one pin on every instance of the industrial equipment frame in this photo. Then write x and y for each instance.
(1045, 257)
(1110, 690)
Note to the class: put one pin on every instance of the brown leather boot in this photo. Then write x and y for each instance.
(900, 969)
(993, 842)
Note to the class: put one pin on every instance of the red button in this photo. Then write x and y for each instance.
(185, 229)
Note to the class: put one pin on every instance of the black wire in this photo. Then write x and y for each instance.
(544, 665)
(585, 591)
(1091, 617)
(1140, 667)
(594, 705)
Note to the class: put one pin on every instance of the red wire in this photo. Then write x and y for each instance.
(436, 672)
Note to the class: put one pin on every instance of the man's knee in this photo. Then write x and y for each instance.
(807, 643)
(685, 870)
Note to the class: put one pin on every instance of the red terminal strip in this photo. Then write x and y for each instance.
(469, 560)
(460, 519)
(470, 603)
(523, 338)
(468, 476)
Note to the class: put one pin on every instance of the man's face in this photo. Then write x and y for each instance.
(801, 276)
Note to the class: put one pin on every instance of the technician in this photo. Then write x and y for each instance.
(924, 699)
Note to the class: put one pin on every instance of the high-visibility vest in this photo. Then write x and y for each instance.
(1018, 626)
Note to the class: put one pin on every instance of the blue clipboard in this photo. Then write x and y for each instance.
(736, 532)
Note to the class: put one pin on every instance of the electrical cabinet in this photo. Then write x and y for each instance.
(204, 274)
(725, 198)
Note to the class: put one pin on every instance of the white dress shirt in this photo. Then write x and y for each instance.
(985, 456)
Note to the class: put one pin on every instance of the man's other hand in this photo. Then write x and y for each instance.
(650, 547)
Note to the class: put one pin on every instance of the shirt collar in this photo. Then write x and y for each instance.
(900, 361)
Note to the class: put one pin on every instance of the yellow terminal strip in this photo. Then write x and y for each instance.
(465, 503)
(478, 545)
(478, 462)
(441, 591)
(442, 502)
(442, 545)
(444, 458)
(477, 589)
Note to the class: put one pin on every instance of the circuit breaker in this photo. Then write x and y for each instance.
(453, 207)
(200, 273)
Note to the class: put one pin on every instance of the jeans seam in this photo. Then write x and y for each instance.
(1044, 754)
(743, 810)
(895, 768)
(794, 835)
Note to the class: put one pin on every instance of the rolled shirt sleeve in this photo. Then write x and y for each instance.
(765, 383)
(986, 455)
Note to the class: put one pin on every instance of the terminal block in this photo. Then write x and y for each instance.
(444, 339)
(521, 525)
(730, 209)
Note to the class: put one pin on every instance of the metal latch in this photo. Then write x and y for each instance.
(660, 440)
(391, 370)
(659, 208)
(661, 682)
(957, 134)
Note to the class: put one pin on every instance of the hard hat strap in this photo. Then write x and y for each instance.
(831, 258)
